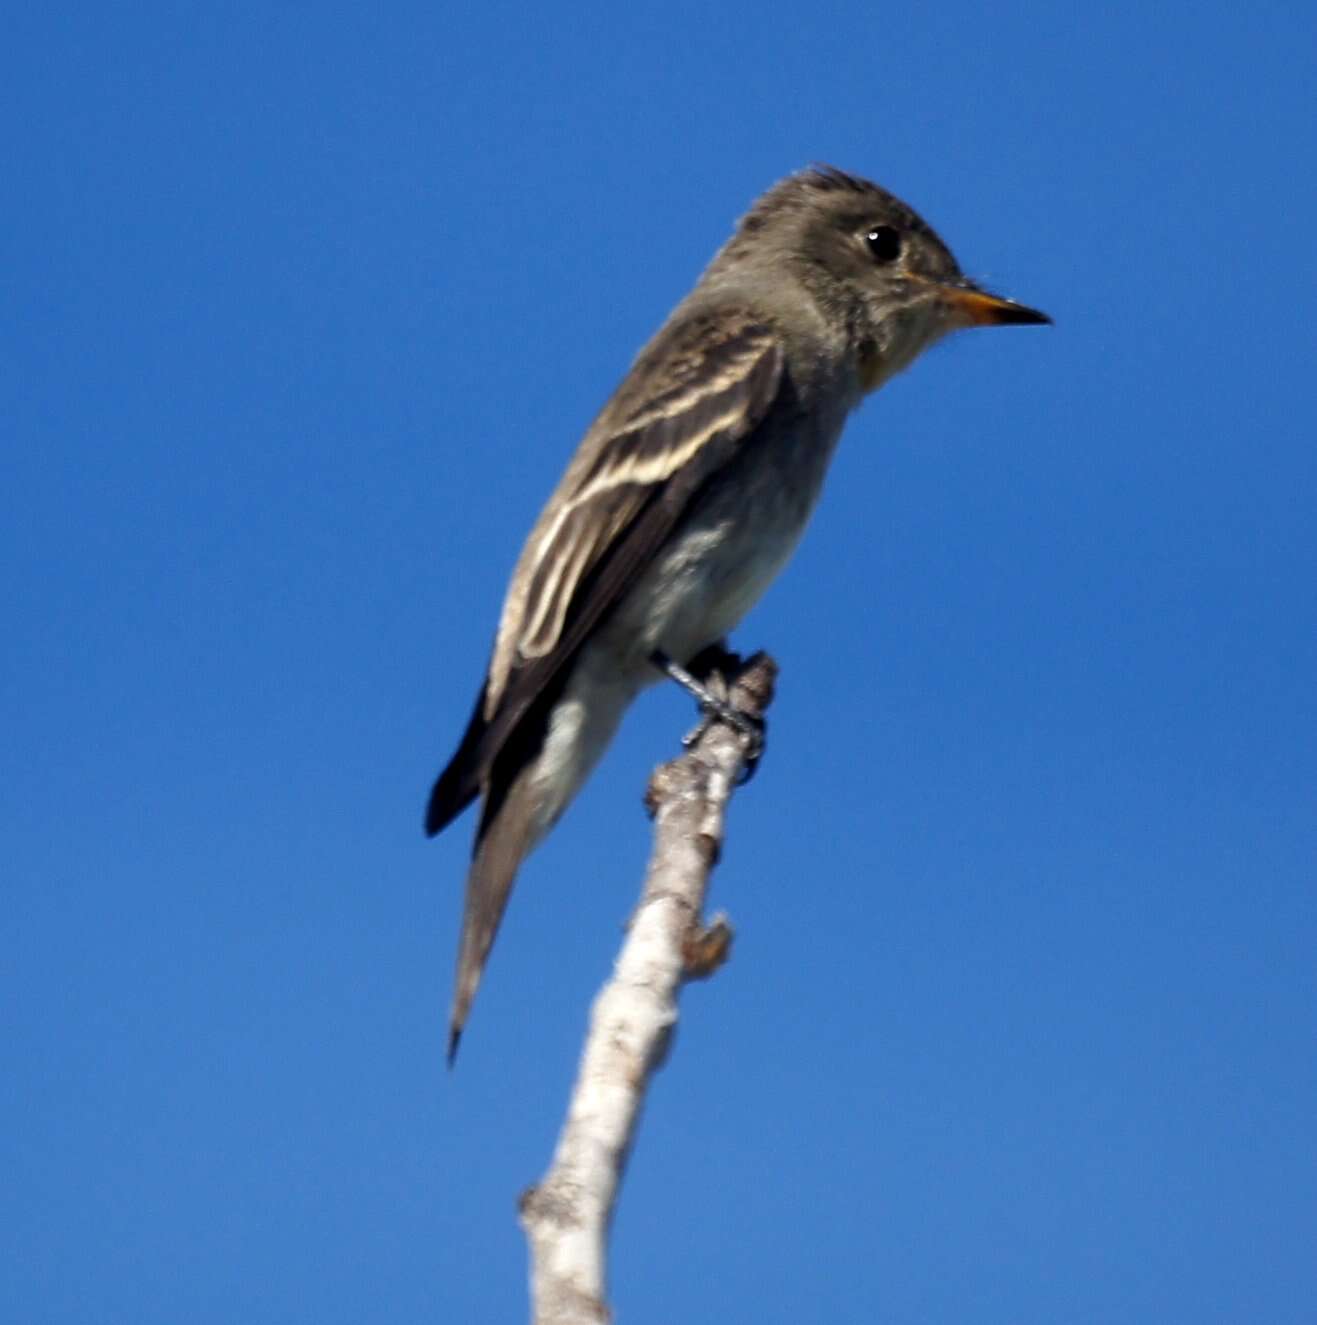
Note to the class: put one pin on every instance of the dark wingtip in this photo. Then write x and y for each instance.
(437, 814)
(454, 789)
(459, 784)
(454, 1038)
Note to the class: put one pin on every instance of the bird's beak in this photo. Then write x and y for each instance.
(972, 307)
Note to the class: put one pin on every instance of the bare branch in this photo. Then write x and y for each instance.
(567, 1216)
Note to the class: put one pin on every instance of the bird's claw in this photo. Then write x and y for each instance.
(706, 682)
(753, 729)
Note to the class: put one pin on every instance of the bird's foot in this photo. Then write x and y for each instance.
(708, 679)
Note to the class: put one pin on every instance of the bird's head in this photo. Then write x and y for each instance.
(872, 264)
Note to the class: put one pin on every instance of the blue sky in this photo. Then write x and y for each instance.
(305, 308)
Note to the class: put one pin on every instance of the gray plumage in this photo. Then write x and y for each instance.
(686, 497)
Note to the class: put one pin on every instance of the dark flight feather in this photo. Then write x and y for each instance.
(721, 381)
(606, 528)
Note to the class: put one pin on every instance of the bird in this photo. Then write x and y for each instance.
(685, 498)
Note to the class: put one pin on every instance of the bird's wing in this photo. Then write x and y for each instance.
(695, 394)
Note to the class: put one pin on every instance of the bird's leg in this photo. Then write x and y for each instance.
(706, 679)
(716, 660)
(695, 684)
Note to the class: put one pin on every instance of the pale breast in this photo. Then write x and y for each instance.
(730, 548)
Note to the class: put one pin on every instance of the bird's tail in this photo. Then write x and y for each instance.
(530, 784)
(504, 841)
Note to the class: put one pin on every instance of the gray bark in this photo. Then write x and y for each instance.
(567, 1216)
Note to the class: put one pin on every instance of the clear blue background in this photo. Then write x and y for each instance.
(303, 310)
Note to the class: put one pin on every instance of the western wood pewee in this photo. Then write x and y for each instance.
(687, 496)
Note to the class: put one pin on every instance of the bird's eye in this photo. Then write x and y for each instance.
(884, 243)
